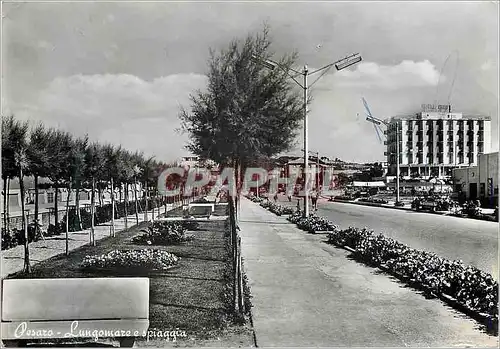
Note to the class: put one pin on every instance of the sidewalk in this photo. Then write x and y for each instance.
(13, 259)
(308, 293)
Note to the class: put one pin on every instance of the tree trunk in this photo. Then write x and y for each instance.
(126, 205)
(5, 195)
(92, 213)
(67, 215)
(232, 222)
(77, 203)
(99, 191)
(112, 208)
(240, 179)
(8, 203)
(146, 202)
(136, 203)
(236, 179)
(56, 207)
(27, 266)
(36, 198)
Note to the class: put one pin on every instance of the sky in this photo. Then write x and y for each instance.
(120, 72)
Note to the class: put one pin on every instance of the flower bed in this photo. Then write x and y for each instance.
(256, 199)
(312, 223)
(164, 233)
(468, 286)
(276, 208)
(146, 259)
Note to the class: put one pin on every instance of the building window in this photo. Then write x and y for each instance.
(50, 198)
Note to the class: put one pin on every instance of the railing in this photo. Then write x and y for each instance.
(46, 216)
(235, 243)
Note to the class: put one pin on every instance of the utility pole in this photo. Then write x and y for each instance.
(317, 170)
(306, 144)
(397, 159)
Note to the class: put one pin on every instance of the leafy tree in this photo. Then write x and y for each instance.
(94, 159)
(60, 148)
(9, 130)
(136, 161)
(22, 165)
(247, 110)
(38, 155)
(79, 165)
(15, 164)
(126, 177)
(376, 170)
(145, 166)
(341, 180)
(111, 155)
(75, 159)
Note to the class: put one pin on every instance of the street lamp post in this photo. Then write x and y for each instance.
(317, 171)
(397, 161)
(306, 145)
(339, 65)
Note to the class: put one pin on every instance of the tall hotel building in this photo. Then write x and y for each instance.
(436, 140)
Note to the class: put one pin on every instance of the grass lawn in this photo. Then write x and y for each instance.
(188, 297)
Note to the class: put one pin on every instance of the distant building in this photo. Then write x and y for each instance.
(46, 195)
(189, 161)
(296, 166)
(436, 140)
(479, 182)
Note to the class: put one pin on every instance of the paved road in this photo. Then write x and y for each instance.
(309, 294)
(474, 242)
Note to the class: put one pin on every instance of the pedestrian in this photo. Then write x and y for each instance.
(314, 199)
(275, 196)
(289, 197)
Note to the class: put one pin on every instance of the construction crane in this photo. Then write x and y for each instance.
(457, 63)
(377, 123)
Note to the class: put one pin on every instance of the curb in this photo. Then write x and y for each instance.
(373, 205)
(250, 313)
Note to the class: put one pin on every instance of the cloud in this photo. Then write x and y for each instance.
(120, 109)
(406, 74)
